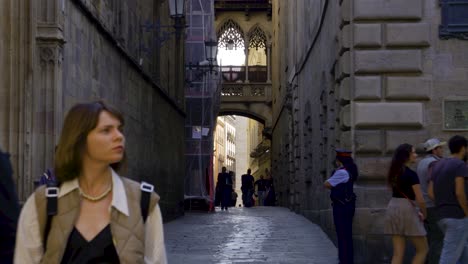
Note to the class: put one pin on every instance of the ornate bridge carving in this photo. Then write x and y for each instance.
(247, 99)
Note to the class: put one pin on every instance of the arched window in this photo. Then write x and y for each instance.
(257, 46)
(230, 36)
(257, 38)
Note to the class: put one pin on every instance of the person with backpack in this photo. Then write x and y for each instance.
(434, 150)
(92, 214)
(9, 210)
(343, 202)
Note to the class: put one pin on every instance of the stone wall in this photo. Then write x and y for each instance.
(83, 50)
(375, 76)
(305, 109)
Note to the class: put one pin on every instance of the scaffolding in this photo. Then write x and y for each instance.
(202, 100)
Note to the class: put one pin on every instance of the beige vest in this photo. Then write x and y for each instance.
(128, 232)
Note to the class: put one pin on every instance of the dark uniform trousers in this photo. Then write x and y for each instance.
(343, 217)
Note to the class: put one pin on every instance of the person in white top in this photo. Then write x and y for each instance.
(435, 151)
(90, 152)
(343, 202)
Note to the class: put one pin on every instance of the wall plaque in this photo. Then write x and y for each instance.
(455, 111)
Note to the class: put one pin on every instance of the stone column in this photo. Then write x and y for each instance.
(47, 100)
(246, 45)
(268, 57)
(15, 89)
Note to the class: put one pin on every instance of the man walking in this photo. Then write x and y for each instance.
(448, 189)
(225, 186)
(261, 190)
(247, 188)
(434, 151)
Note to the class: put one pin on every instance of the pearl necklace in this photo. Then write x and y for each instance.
(95, 198)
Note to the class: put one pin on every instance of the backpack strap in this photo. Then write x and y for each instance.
(146, 190)
(51, 193)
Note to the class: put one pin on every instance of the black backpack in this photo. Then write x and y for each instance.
(52, 192)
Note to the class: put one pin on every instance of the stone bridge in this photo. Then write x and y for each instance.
(251, 100)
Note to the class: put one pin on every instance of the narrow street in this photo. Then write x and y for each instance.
(247, 235)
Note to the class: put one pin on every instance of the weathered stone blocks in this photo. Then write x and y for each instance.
(388, 114)
(367, 35)
(380, 61)
(372, 168)
(368, 141)
(367, 87)
(387, 9)
(395, 138)
(345, 63)
(346, 10)
(345, 140)
(345, 37)
(345, 89)
(345, 120)
(408, 88)
(407, 34)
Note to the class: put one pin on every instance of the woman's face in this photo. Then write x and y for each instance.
(105, 143)
(413, 156)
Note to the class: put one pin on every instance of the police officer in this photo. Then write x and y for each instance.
(343, 202)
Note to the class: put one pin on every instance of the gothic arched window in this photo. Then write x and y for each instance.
(230, 36)
(257, 38)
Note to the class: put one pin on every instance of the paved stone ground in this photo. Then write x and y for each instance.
(247, 235)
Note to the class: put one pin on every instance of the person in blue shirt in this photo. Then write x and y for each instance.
(343, 203)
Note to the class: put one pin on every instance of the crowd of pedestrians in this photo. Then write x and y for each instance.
(429, 206)
(259, 192)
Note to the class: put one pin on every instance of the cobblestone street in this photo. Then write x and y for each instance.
(247, 235)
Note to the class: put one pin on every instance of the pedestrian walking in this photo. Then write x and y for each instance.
(447, 187)
(247, 188)
(344, 203)
(434, 152)
(261, 185)
(270, 199)
(406, 210)
(225, 187)
(9, 210)
(233, 198)
(94, 215)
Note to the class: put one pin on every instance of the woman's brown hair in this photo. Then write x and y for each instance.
(80, 120)
(397, 167)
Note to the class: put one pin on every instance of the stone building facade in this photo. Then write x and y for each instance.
(56, 53)
(365, 75)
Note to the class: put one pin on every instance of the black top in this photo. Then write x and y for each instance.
(405, 184)
(247, 181)
(224, 179)
(262, 184)
(445, 172)
(100, 250)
